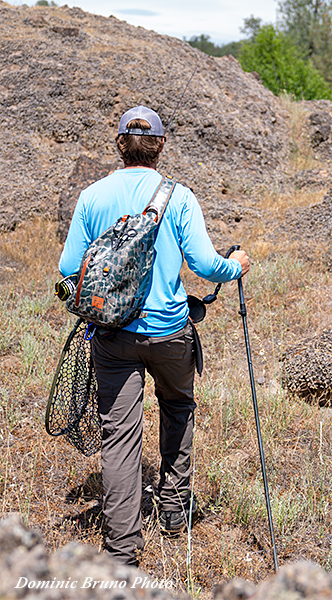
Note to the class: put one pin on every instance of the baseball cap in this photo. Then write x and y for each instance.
(142, 112)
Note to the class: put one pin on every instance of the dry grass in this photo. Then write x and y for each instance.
(58, 491)
(277, 203)
(303, 155)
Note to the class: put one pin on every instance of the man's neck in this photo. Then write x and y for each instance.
(139, 166)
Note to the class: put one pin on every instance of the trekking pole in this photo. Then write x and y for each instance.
(243, 313)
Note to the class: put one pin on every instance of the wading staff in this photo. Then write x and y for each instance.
(243, 313)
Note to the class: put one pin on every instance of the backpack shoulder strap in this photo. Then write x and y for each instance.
(160, 198)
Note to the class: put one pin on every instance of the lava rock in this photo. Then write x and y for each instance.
(69, 573)
(320, 124)
(293, 582)
(307, 369)
(66, 78)
(86, 171)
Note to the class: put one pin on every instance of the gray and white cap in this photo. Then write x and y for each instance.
(142, 112)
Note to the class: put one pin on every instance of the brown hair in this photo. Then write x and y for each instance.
(139, 149)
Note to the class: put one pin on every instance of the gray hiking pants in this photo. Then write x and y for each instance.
(120, 361)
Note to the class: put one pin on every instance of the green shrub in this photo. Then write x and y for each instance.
(45, 3)
(281, 67)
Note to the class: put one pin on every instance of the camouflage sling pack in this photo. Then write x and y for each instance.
(115, 270)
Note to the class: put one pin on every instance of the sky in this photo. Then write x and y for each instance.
(220, 19)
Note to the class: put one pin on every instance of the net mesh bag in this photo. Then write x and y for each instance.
(72, 408)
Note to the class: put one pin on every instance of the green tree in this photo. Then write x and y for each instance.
(232, 48)
(280, 65)
(45, 3)
(203, 43)
(322, 55)
(308, 23)
(251, 26)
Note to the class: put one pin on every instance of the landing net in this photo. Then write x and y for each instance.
(72, 408)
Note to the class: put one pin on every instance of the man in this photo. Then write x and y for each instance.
(161, 341)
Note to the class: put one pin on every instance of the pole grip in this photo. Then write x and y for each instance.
(232, 249)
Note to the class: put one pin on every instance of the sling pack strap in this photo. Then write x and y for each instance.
(79, 286)
(160, 198)
(156, 205)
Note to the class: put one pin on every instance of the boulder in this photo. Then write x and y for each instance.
(307, 368)
(320, 126)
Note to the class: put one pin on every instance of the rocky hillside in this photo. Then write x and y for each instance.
(67, 76)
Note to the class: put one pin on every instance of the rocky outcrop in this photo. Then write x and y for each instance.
(66, 77)
(310, 227)
(320, 125)
(72, 572)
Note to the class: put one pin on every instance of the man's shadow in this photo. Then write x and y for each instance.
(88, 499)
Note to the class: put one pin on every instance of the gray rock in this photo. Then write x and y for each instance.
(296, 581)
(307, 368)
(320, 125)
(73, 572)
(237, 589)
(293, 582)
(86, 171)
(310, 226)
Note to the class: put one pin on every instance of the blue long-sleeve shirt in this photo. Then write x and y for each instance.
(182, 233)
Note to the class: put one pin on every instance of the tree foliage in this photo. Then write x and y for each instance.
(308, 23)
(203, 43)
(45, 3)
(251, 26)
(280, 65)
(296, 56)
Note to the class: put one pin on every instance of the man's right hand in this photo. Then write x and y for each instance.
(243, 259)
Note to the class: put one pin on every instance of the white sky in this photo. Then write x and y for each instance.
(220, 19)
